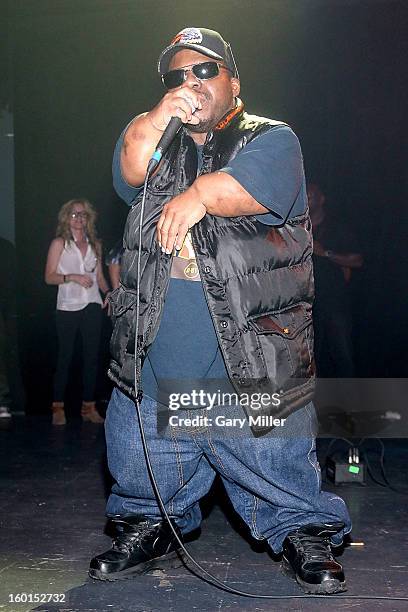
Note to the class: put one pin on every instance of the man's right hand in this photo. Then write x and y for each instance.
(145, 131)
(181, 102)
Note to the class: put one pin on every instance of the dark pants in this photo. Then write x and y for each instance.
(88, 322)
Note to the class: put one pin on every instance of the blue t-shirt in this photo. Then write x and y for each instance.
(270, 168)
(186, 346)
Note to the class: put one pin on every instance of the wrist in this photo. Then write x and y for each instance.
(197, 192)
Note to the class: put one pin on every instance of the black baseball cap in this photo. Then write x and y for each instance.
(208, 42)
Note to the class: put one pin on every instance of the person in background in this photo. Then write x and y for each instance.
(74, 263)
(8, 339)
(334, 257)
(113, 261)
(5, 397)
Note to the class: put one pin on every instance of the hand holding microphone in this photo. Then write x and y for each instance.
(181, 103)
(175, 108)
(145, 130)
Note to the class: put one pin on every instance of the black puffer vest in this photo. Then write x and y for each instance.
(258, 281)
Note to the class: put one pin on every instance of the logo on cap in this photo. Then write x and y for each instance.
(189, 36)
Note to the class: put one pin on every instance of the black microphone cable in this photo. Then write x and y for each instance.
(207, 576)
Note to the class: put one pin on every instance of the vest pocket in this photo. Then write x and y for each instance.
(287, 323)
(123, 303)
(285, 338)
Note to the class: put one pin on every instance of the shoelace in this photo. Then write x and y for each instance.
(313, 548)
(127, 540)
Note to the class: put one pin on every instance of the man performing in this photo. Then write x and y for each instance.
(226, 292)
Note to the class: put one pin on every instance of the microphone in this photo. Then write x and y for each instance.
(169, 133)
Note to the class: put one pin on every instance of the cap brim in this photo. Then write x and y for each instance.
(170, 52)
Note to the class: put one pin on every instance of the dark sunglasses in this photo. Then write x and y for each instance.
(203, 71)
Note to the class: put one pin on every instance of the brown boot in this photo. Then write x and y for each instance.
(58, 413)
(89, 413)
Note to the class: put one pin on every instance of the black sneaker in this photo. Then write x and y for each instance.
(141, 545)
(307, 556)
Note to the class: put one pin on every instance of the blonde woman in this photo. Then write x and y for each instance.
(74, 264)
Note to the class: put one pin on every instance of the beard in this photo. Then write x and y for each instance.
(206, 123)
(203, 127)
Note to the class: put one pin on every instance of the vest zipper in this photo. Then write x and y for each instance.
(237, 389)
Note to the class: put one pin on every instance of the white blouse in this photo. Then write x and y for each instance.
(72, 296)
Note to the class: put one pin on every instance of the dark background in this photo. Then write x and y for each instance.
(76, 71)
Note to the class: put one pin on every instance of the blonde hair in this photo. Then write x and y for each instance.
(64, 217)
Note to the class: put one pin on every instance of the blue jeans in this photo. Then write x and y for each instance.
(273, 482)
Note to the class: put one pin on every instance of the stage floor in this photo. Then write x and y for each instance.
(54, 484)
